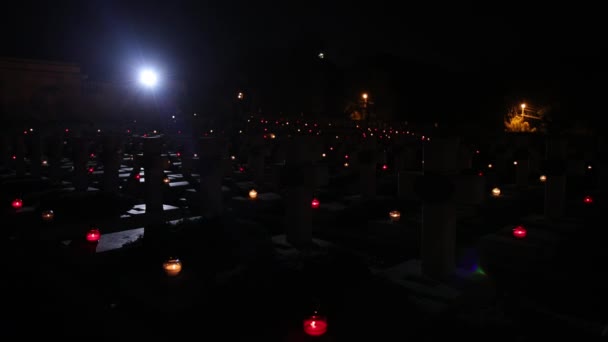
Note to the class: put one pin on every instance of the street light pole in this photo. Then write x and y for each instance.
(364, 96)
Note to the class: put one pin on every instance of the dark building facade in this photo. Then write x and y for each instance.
(35, 91)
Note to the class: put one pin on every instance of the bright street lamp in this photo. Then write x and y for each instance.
(148, 78)
(523, 107)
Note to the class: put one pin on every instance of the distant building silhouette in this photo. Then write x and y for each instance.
(43, 92)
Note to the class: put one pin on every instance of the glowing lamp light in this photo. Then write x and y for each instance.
(496, 192)
(166, 180)
(520, 232)
(588, 200)
(345, 164)
(172, 267)
(315, 204)
(384, 167)
(394, 215)
(93, 235)
(253, 194)
(17, 203)
(148, 78)
(315, 325)
(515, 163)
(47, 215)
(232, 157)
(542, 178)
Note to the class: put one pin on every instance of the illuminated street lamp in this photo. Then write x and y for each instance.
(523, 107)
(148, 78)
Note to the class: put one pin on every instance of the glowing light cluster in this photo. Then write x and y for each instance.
(93, 235)
(17, 203)
(520, 232)
(315, 325)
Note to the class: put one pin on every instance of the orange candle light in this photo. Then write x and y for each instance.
(172, 267)
(48, 215)
(496, 192)
(253, 194)
(395, 215)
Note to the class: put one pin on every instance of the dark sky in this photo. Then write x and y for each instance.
(203, 40)
(175, 34)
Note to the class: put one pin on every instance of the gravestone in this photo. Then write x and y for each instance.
(298, 180)
(212, 158)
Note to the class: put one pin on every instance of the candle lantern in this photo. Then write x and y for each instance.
(166, 180)
(17, 203)
(384, 167)
(93, 235)
(253, 194)
(520, 232)
(542, 178)
(394, 215)
(588, 200)
(48, 215)
(496, 192)
(315, 325)
(315, 204)
(172, 267)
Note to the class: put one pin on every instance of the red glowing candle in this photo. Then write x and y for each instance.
(17, 203)
(315, 203)
(137, 176)
(315, 325)
(520, 232)
(93, 235)
(588, 200)
(384, 167)
(91, 170)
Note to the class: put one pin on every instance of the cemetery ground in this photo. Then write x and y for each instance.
(241, 280)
